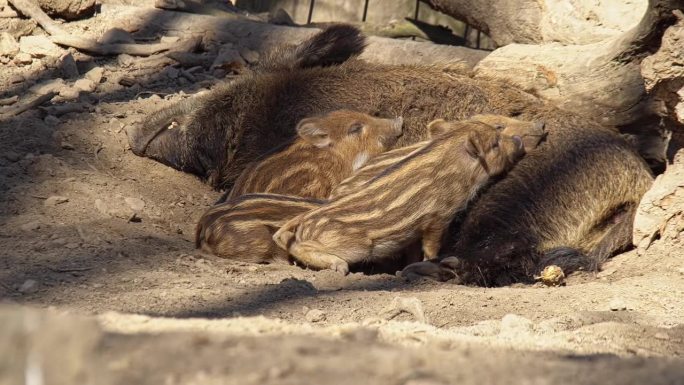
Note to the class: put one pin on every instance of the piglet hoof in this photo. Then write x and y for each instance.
(341, 267)
(427, 269)
(452, 263)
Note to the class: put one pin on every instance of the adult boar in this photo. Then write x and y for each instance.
(572, 200)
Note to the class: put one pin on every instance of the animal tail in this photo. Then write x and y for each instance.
(334, 45)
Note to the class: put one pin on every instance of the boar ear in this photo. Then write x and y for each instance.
(309, 130)
(438, 127)
(472, 148)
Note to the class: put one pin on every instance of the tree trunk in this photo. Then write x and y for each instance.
(261, 36)
(663, 74)
(534, 21)
(601, 80)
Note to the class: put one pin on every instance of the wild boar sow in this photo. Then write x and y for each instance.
(413, 200)
(242, 229)
(572, 199)
(328, 149)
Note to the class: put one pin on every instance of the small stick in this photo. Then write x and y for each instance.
(69, 269)
(32, 10)
(94, 47)
(32, 103)
(8, 14)
(9, 101)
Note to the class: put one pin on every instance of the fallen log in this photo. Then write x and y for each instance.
(259, 36)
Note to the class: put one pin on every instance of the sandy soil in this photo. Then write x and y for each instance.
(89, 229)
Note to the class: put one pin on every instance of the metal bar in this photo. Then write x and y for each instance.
(365, 11)
(415, 15)
(466, 32)
(311, 7)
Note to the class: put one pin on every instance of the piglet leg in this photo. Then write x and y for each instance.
(311, 254)
(432, 238)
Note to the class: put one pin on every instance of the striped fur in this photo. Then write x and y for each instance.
(414, 199)
(530, 132)
(328, 149)
(242, 229)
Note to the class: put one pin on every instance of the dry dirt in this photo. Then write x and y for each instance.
(91, 230)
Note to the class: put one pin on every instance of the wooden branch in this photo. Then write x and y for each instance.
(61, 37)
(33, 11)
(199, 8)
(29, 104)
(96, 48)
(9, 101)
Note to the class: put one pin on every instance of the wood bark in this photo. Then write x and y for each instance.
(602, 80)
(661, 212)
(533, 21)
(259, 36)
(663, 74)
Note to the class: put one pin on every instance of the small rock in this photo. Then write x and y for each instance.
(67, 146)
(51, 120)
(69, 93)
(423, 381)
(127, 81)
(11, 156)
(250, 56)
(411, 305)
(219, 73)
(59, 241)
(29, 286)
(8, 44)
(68, 66)
(71, 245)
(95, 74)
(169, 39)
(514, 324)
(171, 72)
(117, 35)
(23, 58)
(31, 226)
(125, 60)
(101, 206)
(39, 46)
(55, 200)
(315, 315)
(617, 304)
(136, 204)
(606, 273)
(86, 85)
(68, 10)
(47, 86)
(662, 336)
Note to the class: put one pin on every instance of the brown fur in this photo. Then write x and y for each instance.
(578, 190)
(412, 200)
(242, 229)
(530, 132)
(328, 149)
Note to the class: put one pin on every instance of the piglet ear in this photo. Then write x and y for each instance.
(309, 130)
(472, 148)
(438, 127)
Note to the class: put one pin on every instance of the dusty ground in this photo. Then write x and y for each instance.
(89, 229)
